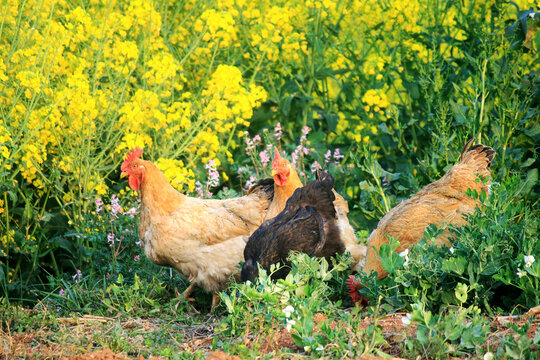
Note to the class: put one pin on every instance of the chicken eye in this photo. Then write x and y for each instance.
(134, 166)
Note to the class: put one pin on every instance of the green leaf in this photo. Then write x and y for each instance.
(451, 331)
(421, 334)
(455, 264)
(297, 340)
(367, 186)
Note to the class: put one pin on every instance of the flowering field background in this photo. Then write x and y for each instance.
(383, 94)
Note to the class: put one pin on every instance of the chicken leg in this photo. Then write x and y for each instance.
(188, 292)
(215, 300)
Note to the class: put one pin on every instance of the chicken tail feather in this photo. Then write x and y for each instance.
(264, 185)
(480, 156)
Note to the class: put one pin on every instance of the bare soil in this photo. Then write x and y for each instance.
(77, 338)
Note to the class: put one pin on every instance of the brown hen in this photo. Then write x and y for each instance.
(441, 202)
(202, 239)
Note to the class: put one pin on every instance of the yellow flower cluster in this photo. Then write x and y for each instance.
(98, 80)
(10, 243)
(178, 175)
(376, 101)
(5, 138)
(81, 85)
(220, 27)
(228, 105)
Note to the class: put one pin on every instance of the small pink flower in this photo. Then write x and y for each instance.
(294, 157)
(257, 140)
(249, 145)
(213, 174)
(62, 292)
(338, 156)
(265, 158)
(250, 182)
(115, 206)
(137, 258)
(110, 239)
(199, 189)
(77, 276)
(99, 204)
(132, 212)
(315, 166)
(278, 132)
(328, 157)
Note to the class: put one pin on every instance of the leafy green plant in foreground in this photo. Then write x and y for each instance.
(453, 333)
(291, 303)
(491, 262)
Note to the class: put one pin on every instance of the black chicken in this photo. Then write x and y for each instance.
(307, 224)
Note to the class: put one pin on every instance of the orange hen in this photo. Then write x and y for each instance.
(441, 202)
(202, 239)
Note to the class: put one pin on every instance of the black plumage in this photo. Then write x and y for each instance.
(307, 224)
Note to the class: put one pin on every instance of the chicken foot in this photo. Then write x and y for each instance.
(215, 300)
(188, 292)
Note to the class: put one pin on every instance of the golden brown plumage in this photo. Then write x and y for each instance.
(441, 202)
(204, 240)
(286, 181)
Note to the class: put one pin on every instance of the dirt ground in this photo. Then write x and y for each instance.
(38, 345)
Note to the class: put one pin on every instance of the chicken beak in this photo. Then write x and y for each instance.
(123, 175)
(274, 173)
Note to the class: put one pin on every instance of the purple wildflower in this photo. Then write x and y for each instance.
(137, 258)
(315, 166)
(99, 204)
(132, 212)
(257, 140)
(62, 292)
(199, 189)
(110, 239)
(77, 276)
(278, 132)
(249, 145)
(265, 158)
(294, 157)
(115, 206)
(327, 157)
(250, 182)
(338, 156)
(213, 174)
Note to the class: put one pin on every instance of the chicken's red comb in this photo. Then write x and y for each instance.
(277, 154)
(353, 288)
(134, 154)
(277, 157)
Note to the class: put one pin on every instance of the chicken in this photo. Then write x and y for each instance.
(441, 202)
(307, 224)
(286, 181)
(348, 235)
(202, 239)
